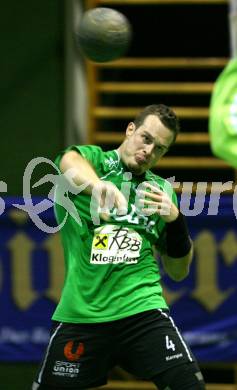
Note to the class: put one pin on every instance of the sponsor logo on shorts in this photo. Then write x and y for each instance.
(71, 353)
(66, 369)
(177, 356)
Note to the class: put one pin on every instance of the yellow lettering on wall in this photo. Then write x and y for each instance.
(1, 276)
(56, 266)
(207, 291)
(21, 247)
(228, 248)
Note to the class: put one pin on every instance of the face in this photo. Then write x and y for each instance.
(144, 146)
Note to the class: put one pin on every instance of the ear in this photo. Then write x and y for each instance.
(130, 129)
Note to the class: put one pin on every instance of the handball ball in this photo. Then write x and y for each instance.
(104, 34)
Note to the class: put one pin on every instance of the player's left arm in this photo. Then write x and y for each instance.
(179, 247)
(177, 267)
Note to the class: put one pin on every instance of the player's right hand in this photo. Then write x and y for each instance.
(108, 196)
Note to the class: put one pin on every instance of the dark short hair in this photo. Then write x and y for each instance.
(164, 113)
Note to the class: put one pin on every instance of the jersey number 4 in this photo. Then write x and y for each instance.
(169, 343)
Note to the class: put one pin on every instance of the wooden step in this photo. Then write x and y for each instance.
(153, 87)
(193, 138)
(131, 112)
(207, 187)
(112, 137)
(142, 385)
(192, 163)
(146, 2)
(165, 62)
(221, 386)
(129, 385)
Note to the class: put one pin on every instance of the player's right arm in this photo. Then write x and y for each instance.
(84, 173)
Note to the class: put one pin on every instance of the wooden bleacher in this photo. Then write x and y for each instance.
(112, 91)
(135, 385)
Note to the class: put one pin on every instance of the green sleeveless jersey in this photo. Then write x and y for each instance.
(110, 269)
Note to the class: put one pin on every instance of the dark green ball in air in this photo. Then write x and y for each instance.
(104, 34)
